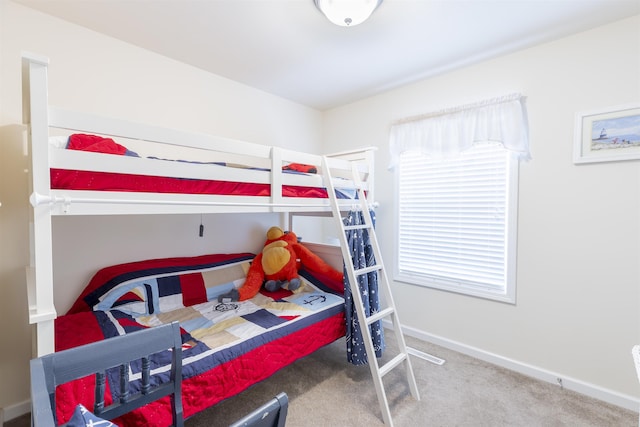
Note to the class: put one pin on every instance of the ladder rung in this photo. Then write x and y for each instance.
(361, 271)
(357, 227)
(384, 369)
(379, 315)
(340, 184)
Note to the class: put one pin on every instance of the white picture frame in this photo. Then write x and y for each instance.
(607, 135)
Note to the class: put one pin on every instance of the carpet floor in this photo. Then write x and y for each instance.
(324, 390)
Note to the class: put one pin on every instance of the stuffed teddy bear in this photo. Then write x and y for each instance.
(277, 266)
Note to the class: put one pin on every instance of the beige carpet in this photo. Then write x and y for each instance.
(324, 390)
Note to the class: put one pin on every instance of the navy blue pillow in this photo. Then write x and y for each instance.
(82, 417)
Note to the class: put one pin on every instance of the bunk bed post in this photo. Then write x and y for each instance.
(369, 159)
(276, 179)
(40, 269)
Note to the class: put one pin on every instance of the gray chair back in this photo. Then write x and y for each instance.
(52, 370)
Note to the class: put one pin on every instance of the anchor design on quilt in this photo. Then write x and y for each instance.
(314, 299)
(226, 306)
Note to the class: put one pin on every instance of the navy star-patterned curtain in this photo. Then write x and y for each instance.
(362, 255)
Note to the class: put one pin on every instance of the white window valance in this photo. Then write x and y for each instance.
(449, 132)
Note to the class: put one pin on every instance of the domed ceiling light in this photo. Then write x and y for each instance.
(347, 13)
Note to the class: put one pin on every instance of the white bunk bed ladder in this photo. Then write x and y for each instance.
(364, 321)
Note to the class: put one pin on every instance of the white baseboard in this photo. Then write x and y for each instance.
(15, 410)
(591, 390)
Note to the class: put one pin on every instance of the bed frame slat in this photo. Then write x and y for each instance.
(98, 406)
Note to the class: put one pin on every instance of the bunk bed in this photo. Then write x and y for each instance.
(88, 165)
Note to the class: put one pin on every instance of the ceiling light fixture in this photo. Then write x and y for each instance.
(347, 13)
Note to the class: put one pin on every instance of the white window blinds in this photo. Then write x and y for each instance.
(454, 218)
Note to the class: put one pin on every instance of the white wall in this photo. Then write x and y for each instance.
(94, 73)
(578, 276)
(579, 234)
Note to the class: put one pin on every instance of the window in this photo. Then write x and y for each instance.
(457, 221)
(457, 182)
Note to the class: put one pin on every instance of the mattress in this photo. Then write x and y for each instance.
(64, 179)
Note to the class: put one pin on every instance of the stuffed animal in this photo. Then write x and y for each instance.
(277, 266)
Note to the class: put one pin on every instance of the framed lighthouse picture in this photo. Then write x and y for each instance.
(607, 135)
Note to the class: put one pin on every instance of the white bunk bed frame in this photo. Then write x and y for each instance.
(40, 118)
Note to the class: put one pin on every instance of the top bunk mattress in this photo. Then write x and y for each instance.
(232, 179)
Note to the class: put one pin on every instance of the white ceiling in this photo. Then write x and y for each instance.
(288, 48)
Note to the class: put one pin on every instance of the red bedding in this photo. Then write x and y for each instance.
(64, 179)
(235, 367)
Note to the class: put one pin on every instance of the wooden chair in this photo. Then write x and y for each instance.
(52, 370)
(271, 414)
